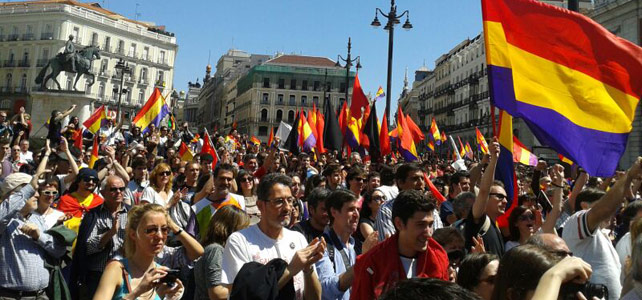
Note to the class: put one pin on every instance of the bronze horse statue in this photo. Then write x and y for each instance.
(58, 64)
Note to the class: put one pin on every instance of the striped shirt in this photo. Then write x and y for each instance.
(97, 257)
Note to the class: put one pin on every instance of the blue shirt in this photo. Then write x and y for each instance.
(23, 258)
(329, 273)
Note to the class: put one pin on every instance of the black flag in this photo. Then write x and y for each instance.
(371, 130)
(332, 137)
(292, 142)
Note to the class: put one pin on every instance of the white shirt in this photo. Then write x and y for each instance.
(390, 192)
(596, 249)
(150, 195)
(26, 156)
(251, 244)
(623, 247)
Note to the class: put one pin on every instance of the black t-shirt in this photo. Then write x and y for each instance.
(307, 230)
(493, 240)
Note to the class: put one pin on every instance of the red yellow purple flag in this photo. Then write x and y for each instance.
(434, 131)
(94, 152)
(574, 83)
(95, 121)
(481, 142)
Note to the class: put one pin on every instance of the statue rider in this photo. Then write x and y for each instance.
(70, 52)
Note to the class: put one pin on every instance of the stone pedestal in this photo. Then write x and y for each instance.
(43, 103)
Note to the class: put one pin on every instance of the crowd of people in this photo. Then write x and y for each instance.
(149, 221)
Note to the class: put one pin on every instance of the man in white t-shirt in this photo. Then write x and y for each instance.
(585, 239)
(25, 154)
(269, 240)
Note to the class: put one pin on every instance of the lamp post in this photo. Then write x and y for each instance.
(348, 61)
(123, 67)
(393, 19)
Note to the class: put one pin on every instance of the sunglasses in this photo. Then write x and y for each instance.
(247, 179)
(165, 173)
(153, 230)
(89, 179)
(117, 189)
(50, 193)
(528, 217)
(498, 195)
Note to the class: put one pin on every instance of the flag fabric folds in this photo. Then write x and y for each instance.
(433, 189)
(505, 171)
(384, 139)
(408, 149)
(469, 151)
(208, 147)
(371, 131)
(359, 99)
(434, 131)
(462, 149)
(282, 133)
(307, 141)
(94, 152)
(565, 159)
(255, 140)
(184, 153)
(332, 135)
(481, 142)
(270, 138)
(152, 112)
(379, 95)
(417, 135)
(522, 155)
(96, 120)
(431, 145)
(292, 142)
(575, 84)
(443, 137)
(320, 125)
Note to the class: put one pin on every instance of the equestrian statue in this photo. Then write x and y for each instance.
(70, 60)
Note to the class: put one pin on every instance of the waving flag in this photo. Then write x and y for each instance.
(481, 142)
(208, 147)
(307, 141)
(505, 171)
(469, 151)
(434, 131)
(184, 153)
(574, 83)
(320, 124)
(94, 152)
(380, 94)
(431, 145)
(565, 159)
(443, 137)
(96, 120)
(254, 140)
(152, 112)
(384, 139)
(359, 100)
(522, 155)
(417, 135)
(312, 120)
(332, 135)
(271, 138)
(371, 131)
(408, 149)
(462, 149)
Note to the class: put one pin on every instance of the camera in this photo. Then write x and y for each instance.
(589, 290)
(170, 278)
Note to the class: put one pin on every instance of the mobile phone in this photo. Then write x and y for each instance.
(170, 278)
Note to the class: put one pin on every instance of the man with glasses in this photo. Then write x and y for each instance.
(101, 235)
(269, 240)
(489, 204)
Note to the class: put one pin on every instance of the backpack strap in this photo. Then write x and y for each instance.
(330, 249)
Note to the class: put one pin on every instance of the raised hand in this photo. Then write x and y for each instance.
(31, 230)
(306, 257)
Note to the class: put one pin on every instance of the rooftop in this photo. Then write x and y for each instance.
(301, 60)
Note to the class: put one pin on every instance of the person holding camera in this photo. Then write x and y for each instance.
(137, 276)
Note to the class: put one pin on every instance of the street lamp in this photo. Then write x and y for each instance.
(123, 67)
(393, 19)
(348, 61)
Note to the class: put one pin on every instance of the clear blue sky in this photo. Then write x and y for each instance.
(318, 28)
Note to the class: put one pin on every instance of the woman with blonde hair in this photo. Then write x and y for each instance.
(159, 190)
(226, 220)
(137, 276)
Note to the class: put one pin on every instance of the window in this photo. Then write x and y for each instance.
(8, 81)
(76, 34)
(101, 90)
(329, 86)
(143, 75)
(280, 99)
(121, 47)
(265, 99)
(292, 100)
(141, 97)
(145, 53)
(161, 77)
(293, 84)
(161, 58)
(315, 100)
(342, 87)
(69, 83)
(304, 85)
(107, 46)
(132, 50)
(290, 116)
(94, 39)
(103, 66)
(23, 83)
(266, 82)
(316, 85)
(281, 83)
(264, 115)
(304, 99)
(263, 131)
(279, 115)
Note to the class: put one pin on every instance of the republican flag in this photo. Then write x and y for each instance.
(384, 138)
(408, 149)
(443, 137)
(96, 120)
(208, 147)
(565, 159)
(431, 145)
(184, 153)
(94, 152)
(152, 112)
(271, 138)
(469, 151)
(307, 141)
(481, 142)
(522, 155)
(574, 83)
(380, 94)
(77, 137)
(434, 131)
(505, 171)
(417, 135)
(312, 120)
(254, 140)
(462, 149)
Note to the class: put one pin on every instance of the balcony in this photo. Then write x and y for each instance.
(28, 37)
(107, 48)
(146, 57)
(13, 37)
(9, 63)
(163, 61)
(132, 54)
(20, 90)
(104, 73)
(6, 89)
(46, 36)
(24, 64)
(130, 78)
(120, 51)
(143, 81)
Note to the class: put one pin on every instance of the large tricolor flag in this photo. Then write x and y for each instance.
(152, 112)
(95, 121)
(307, 141)
(505, 171)
(574, 83)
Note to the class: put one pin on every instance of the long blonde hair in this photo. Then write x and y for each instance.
(134, 217)
(153, 176)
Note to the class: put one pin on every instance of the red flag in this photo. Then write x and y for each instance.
(208, 147)
(320, 126)
(94, 153)
(271, 138)
(312, 121)
(77, 137)
(417, 135)
(384, 139)
(343, 117)
(433, 189)
(359, 99)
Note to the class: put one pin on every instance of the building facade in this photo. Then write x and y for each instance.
(190, 106)
(32, 32)
(279, 88)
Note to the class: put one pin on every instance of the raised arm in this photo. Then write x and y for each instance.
(580, 182)
(192, 247)
(479, 207)
(66, 113)
(41, 166)
(558, 187)
(606, 207)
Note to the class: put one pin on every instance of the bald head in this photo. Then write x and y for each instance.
(549, 242)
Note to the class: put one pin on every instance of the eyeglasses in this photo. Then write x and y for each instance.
(498, 195)
(117, 189)
(279, 202)
(526, 217)
(165, 173)
(247, 179)
(50, 193)
(89, 179)
(153, 230)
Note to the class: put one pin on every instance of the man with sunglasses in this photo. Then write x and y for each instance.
(82, 198)
(489, 204)
(101, 235)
